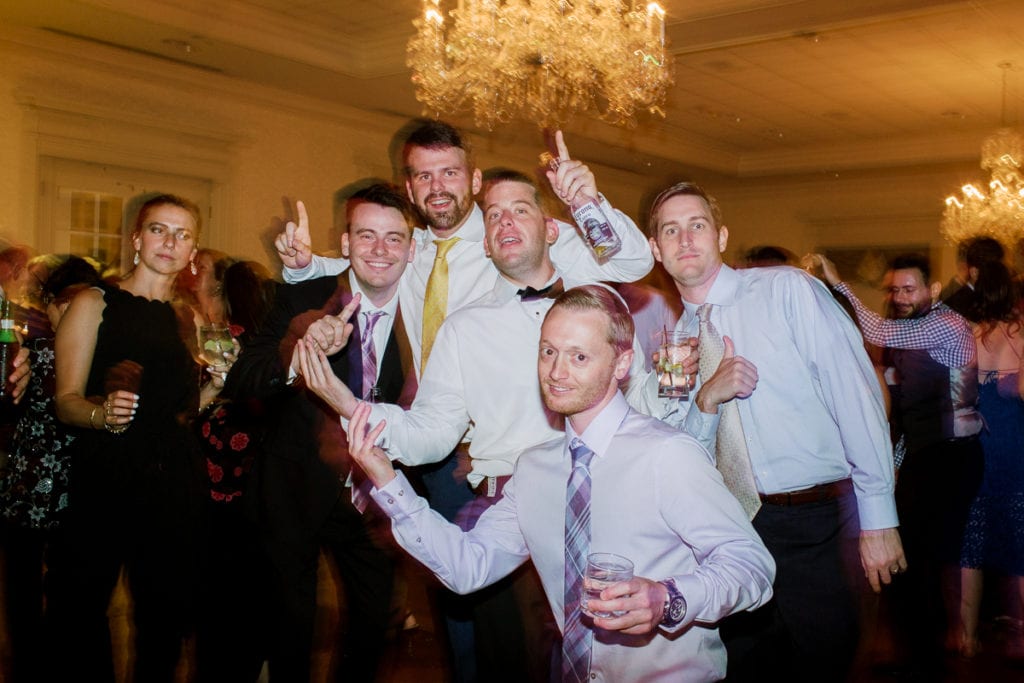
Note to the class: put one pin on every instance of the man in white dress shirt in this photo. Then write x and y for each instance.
(654, 496)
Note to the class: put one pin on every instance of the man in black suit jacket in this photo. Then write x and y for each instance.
(299, 488)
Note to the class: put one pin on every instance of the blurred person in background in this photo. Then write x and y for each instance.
(21, 276)
(977, 253)
(128, 378)
(935, 410)
(204, 290)
(34, 490)
(232, 641)
(994, 537)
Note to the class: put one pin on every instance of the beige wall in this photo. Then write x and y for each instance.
(262, 149)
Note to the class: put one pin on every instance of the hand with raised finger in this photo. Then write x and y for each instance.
(331, 332)
(293, 245)
(570, 177)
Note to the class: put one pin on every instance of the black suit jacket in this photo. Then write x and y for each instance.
(297, 482)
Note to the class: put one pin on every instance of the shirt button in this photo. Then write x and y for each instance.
(391, 501)
(402, 492)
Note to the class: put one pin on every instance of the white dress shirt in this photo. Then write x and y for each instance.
(655, 498)
(471, 274)
(817, 414)
(482, 373)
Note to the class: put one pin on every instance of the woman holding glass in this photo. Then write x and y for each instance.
(128, 377)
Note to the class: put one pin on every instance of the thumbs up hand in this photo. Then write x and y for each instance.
(736, 377)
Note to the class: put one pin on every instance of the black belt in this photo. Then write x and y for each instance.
(815, 494)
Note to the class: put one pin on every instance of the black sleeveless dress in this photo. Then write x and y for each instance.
(136, 499)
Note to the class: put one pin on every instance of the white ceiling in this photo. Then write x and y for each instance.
(762, 87)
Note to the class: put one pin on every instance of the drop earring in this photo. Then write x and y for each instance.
(192, 266)
(136, 259)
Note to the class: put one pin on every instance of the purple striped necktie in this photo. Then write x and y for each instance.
(360, 484)
(369, 354)
(576, 638)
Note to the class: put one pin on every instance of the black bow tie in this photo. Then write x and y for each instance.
(552, 291)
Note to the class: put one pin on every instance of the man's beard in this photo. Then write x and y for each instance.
(448, 218)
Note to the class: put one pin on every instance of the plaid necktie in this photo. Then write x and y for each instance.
(360, 484)
(731, 456)
(576, 638)
(435, 299)
(369, 354)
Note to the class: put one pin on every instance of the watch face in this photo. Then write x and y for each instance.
(677, 609)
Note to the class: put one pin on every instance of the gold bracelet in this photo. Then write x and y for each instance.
(92, 416)
(116, 429)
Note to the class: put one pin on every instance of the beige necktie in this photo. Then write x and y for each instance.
(435, 302)
(731, 455)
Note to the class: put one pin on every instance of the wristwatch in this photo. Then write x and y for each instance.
(675, 605)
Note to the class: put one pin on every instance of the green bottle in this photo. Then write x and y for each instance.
(9, 347)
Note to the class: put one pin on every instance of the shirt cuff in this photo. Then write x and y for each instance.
(397, 498)
(702, 426)
(293, 275)
(693, 591)
(877, 511)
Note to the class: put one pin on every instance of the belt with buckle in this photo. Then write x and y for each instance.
(815, 494)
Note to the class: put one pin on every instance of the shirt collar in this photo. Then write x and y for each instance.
(722, 293)
(599, 434)
(505, 290)
(471, 231)
(365, 305)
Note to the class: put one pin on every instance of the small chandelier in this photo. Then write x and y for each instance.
(541, 60)
(1000, 212)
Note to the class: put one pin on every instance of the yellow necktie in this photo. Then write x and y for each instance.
(435, 303)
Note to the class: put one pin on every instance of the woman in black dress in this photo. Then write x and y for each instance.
(128, 377)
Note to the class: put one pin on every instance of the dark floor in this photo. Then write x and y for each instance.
(417, 655)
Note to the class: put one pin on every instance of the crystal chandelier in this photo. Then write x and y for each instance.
(999, 213)
(541, 60)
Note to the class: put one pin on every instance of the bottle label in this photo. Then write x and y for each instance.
(7, 324)
(596, 229)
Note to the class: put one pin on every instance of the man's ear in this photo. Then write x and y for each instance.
(344, 244)
(935, 290)
(622, 364)
(655, 249)
(551, 230)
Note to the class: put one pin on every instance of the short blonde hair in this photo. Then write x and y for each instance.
(598, 298)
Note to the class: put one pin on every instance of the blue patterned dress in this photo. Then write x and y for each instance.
(994, 538)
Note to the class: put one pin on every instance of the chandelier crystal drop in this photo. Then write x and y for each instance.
(999, 211)
(541, 60)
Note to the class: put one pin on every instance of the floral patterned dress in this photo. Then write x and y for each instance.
(230, 434)
(34, 491)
